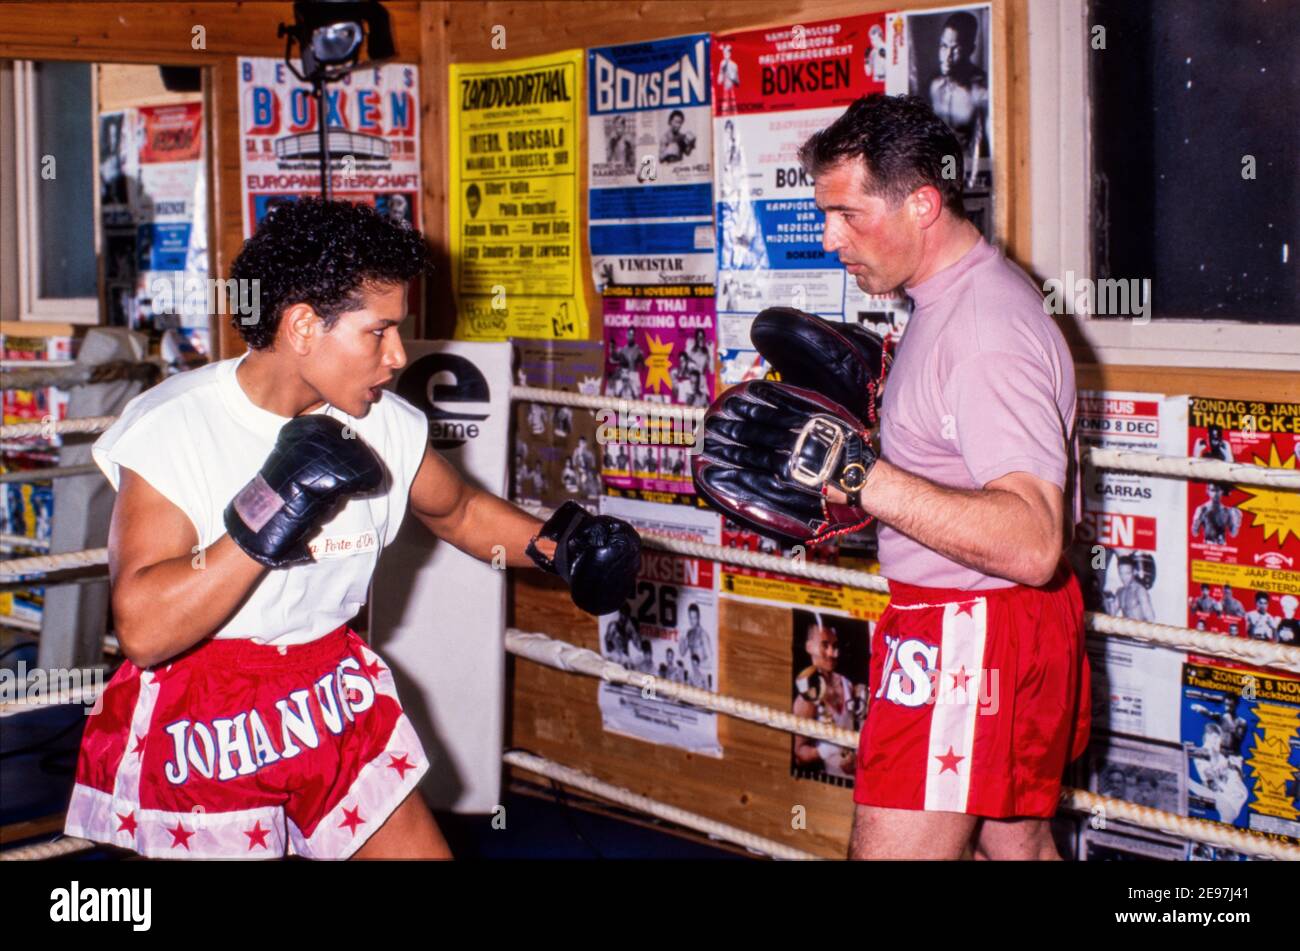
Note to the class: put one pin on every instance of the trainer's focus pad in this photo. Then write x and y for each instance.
(749, 432)
(845, 362)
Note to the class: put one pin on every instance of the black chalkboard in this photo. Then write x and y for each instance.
(1190, 98)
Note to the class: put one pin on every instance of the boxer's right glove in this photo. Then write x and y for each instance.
(313, 468)
(771, 454)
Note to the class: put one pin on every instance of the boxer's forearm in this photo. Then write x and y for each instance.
(992, 531)
(488, 527)
(163, 609)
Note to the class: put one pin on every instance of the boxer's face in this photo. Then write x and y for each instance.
(349, 364)
(949, 51)
(823, 647)
(878, 245)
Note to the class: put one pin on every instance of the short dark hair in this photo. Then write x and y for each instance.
(965, 26)
(678, 114)
(902, 142)
(322, 253)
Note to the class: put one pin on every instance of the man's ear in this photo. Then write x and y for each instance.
(925, 205)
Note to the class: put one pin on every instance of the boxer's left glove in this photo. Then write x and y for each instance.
(772, 452)
(311, 470)
(597, 556)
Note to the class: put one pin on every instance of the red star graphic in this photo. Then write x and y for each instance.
(949, 760)
(257, 835)
(400, 764)
(128, 823)
(139, 746)
(180, 836)
(353, 819)
(967, 608)
(960, 679)
(372, 669)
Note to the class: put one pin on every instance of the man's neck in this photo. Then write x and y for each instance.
(952, 242)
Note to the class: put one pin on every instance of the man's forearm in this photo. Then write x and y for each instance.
(992, 531)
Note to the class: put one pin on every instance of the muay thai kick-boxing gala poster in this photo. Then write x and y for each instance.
(659, 347)
(1244, 540)
(373, 125)
(514, 210)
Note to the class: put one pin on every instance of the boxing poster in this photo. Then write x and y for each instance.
(1144, 773)
(373, 124)
(667, 629)
(650, 163)
(1129, 553)
(446, 649)
(514, 198)
(1244, 541)
(1241, 738)
(660, 344)
(832, 664)
(761, 586)
(945, 56)
(555, 446)
(1121, 842)
(773, 88)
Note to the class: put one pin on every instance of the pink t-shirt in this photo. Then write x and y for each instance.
(982, 385)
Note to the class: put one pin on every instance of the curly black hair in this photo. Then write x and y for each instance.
(322, 253)
(901, 140)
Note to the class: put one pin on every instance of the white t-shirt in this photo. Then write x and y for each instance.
(198, 439)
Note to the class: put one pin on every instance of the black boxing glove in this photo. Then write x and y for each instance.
(597, 556)
(311, 470)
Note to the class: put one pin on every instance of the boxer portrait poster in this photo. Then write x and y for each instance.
(831, 657)
(556, 448)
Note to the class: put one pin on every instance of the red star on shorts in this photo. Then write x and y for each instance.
(257, 835)
(353, 819)
(139, 746)
(128, 823)
(949, 760)
(372, 669)
(960, 679)
(400, 764)
(967, 608)
(180, 836)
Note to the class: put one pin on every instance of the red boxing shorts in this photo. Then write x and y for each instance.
(238, 749)
(978, 699)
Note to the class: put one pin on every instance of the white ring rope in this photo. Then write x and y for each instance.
(57, 427)
(1202, 470)
(625, 797)
(46, 850)
(16, 568)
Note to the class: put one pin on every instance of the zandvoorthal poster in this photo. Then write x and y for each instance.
(515, 249)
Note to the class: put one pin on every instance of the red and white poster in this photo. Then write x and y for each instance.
(1244, 541)
(373, 129)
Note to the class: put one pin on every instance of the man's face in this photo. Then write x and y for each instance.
(823, 647)
(1261, 603)
(473, 201)
(675, 123)
(694, 614)
(1126, 573)
(950, 51)
(1214, 492)
(879, 246)
(349, 364)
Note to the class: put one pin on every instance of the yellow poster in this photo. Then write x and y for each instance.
(514, 198)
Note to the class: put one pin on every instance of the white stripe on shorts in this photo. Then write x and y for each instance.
(952, 721)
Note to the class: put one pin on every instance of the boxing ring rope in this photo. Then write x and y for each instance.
(53, 472)
(570, 658)
(660, 810)
(82, 374)
(56, 427)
